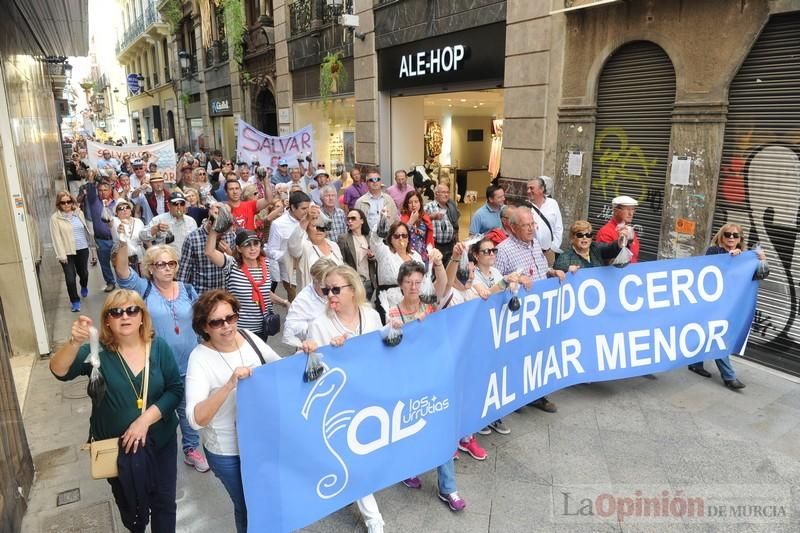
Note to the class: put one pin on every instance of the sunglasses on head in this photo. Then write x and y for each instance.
(219, 322)
(117, 312)
(489, 251)
(333, 290)
(400, 236)
(730, 234)
(582, 235)
(161, 265)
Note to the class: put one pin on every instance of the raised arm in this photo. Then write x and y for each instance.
(121, 268)
(215, 256)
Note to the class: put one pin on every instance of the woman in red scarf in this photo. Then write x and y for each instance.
(247, 278)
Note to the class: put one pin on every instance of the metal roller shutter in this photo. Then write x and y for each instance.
(635, 98)
(759, 184)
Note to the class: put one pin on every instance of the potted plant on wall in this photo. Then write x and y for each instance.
(331, 76)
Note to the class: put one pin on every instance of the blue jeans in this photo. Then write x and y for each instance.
(725, 368)
(190, 438)
(104, 247)
(227, 470)
(447, 477)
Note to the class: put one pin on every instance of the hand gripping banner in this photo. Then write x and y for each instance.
(379, 415)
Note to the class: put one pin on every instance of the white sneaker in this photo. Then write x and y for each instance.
(374, 526)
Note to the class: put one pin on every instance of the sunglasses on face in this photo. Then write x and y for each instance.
(249, 244)
(583, 235)
(400, 236)
(65, 202)
(179, 204)
(117, 312)
(219, 322)
(124, 208)
(324, 228)
(374, 180)
(489, 251)
(161, 265)
(731, 234)
(354, 218)
(336, 291)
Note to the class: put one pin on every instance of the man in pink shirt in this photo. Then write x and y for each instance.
(400, 189)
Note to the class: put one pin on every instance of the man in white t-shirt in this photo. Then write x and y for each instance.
(279, 232)
(547, 217)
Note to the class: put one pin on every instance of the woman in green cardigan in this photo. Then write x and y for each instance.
(583, 252)
(125, 331)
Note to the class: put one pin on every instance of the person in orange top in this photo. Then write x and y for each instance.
(244, 212)
(419, 224)
(624, 209)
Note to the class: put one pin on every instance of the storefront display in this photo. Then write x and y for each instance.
(334, 131)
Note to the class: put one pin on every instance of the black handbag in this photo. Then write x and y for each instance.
(272, 324)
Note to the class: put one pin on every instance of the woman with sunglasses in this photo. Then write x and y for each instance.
(728, 240)
(419, 224)
(247, 277)
(347, 315)
(307, 306)
(583, 251)
(356, 252)
(390, 254)
(309, 243)
(72, 243)
(225, 356)
(411, 308)
(126, 227)
(170, 304)
(125, 332)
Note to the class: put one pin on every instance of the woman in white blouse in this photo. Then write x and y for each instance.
(215, 367)
(390, 253)
(307, 306)
(126, 227)
(309, 243)
(347, 315)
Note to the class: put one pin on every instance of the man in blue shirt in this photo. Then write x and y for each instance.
(281, 174)
(487, 217)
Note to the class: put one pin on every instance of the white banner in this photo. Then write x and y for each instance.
(162, 153)
(253, 144)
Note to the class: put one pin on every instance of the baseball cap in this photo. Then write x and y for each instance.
(283, 163)
(245, 236)
(176, 196)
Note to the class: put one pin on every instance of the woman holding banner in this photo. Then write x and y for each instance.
(226, 356)
(730, 240)
(409, 309)
(584, 252)
(347, 315)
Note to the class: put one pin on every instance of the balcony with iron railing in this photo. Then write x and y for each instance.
(141, 26)
(216, 54)
(302, 16)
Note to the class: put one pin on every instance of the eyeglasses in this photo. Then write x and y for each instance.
(117, 312)
(219, 322)
(179, 204)
(400, 236)
(161, 265)
(583, 235)
(354, 218)
(489, 251)
(373, 180)
(65, 202)
(333, 290)
(730, 234)
(123, 208)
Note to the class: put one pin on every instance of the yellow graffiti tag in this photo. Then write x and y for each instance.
(621, 163)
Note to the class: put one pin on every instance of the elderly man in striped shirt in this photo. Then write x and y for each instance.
(520, 252)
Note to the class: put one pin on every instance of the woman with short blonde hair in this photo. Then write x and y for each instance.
(147, 437)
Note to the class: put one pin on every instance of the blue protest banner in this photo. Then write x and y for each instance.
(380, 415)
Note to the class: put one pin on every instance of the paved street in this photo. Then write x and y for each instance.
(677, 433)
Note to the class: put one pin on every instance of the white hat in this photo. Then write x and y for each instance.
(624, 201)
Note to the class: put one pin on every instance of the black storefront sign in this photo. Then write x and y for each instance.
(219, 102)
(465, 56)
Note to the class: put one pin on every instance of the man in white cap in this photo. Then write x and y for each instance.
(624, 209)
(171, 227)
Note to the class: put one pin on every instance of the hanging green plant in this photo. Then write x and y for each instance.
(332, 76)
(173, 14)
(235, 27)
(185, 99)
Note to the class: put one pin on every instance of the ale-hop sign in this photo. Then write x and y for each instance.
(162, 153)
(379, 415)
(433, 61)
(252, 144)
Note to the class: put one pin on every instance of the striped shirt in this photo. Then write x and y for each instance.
(78, 231)
(250, 315)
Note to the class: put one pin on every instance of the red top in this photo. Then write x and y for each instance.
(609, 233)
(245, 215)
(418, 228)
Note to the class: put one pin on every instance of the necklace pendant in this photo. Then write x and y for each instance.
(139, 403)
(177, 330)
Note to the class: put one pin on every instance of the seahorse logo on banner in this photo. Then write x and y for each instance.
(340, 427)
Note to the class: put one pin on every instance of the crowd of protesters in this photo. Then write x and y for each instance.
(341, 253)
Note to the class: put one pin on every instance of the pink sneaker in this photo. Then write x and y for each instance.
(454, 501)
(413, 483)
(471, 446)
(196, 459)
